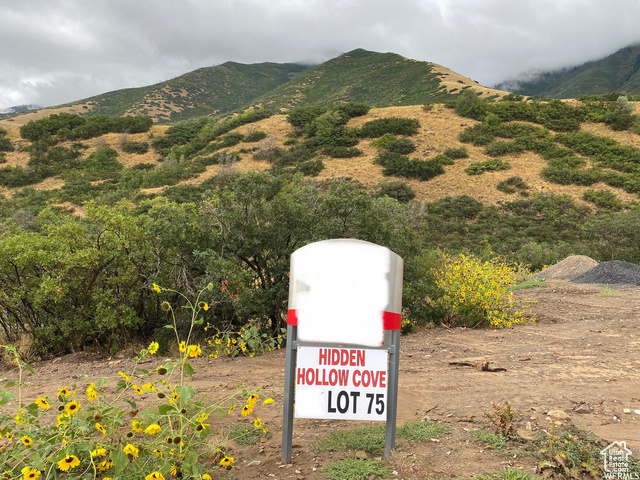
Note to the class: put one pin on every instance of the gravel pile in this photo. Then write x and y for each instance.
(567, 269)
(615, 272)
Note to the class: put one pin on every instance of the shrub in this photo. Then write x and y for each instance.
(5, 144)
(571, 176)
(400, 166)
(456, 153)
(512, 185)
(3, 158)
(477, 135)
(102, 163)
(403, 146)
(353, 109)
(135, 147)
(384, 141)
(477, 293)
(255, 136)
(342, 152)
(394, 125)
(311, 167)
(603, 199)
(478, 168)
(499, 148)
(398, 190)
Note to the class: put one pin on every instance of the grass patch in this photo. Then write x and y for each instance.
(369, 438)
(422, 431)
(531, 283)
(608, 292)
(493, 440)
(356, 469)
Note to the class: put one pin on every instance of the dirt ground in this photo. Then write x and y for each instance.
(583, 350)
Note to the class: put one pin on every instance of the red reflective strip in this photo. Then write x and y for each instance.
(390, 321)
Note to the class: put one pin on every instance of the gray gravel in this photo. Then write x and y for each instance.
(615, 272)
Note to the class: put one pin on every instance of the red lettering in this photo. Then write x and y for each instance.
(300, 380)
(343, 377)
(333, 377)
(309, 378)
(383, 375)
(360, 358)
(324, 379)
(366, 378)
(335, 356)
(356, 383)
(352, 358)
(324, 356)
(344, 357)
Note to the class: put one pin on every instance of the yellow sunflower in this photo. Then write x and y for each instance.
(68, 462)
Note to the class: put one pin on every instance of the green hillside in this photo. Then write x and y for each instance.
(377, 79)
(619, 72)
(211, 90)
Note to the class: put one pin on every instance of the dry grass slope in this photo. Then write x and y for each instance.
(439, 130)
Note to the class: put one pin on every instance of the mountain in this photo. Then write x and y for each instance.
(619, 72)
(377, 79)
(206, 91)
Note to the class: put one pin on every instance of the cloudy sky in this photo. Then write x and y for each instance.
(57, 51)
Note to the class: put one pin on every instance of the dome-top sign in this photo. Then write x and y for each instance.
(345, 291)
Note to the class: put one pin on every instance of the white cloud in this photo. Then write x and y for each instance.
(64, 50)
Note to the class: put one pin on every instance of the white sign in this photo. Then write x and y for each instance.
(341, 383)
(342, 290)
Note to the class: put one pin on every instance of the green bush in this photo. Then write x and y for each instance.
(403, 146)
(3, 158)
(5, 144)
(478, 168)
(384, 141)
(311, 167)
(398, 190)
(477, 135)
(101, 164)
(499, 148)
(456, 153)
(603, 199)
(513, 185)
(394, 125)
(255, 136)
(342, 152)
(571, 176)
(135, 147)
(400, 166)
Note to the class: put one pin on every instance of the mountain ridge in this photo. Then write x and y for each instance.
(378, 79)
(618, 72)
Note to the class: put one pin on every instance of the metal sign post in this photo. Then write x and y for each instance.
(343, 336)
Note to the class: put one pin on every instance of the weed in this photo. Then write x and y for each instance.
(531, 283)
(356, 469)
(493, 440)
(574, 455)
(608, 292)
(422, 431)
(502, 418)
(369, 438)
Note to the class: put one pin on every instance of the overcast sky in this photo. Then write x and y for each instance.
(57, 51)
